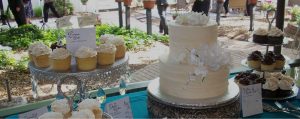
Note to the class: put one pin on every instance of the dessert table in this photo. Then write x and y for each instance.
(138, 99)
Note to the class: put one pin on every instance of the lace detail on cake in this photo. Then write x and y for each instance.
(192, 18)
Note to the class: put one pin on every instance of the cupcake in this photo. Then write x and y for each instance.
(270, 87)
(275, 36)
(83, 114)
(120, 45)
(260, 36)
(279, 61)
(52, 115)
(106, 54)
(268, 63)
(93, 105)
(60, 60)
(254, 60)
(270, 53)
(86, 59)
(285, 85)
(62, 106)
(31, 47)
(40, 56)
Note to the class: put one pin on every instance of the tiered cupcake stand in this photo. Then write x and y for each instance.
(106, 75)
(285, 68)
(161, 105)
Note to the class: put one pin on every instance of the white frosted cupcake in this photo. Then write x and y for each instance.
(52, 115)
(106, 54)
(40, 55)
(86, 59)
(120, 45)
(61, 106)
(31, 47)
(93, 105)
(60, 59)
(106, 37)
(83, 114)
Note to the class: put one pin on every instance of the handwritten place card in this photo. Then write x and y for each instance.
(34, 114)
(87, 20)
(119, 108)
(251, 100)
(63, 22)
(80, 37)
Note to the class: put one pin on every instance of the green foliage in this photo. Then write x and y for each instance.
(298, 19)
(51, 35)
(268, 7)
(6, 60)
(84, 1)
(295, 10)
(38, 12)
(59, 5)
(21, 37)
(8, 14)
(134, 38)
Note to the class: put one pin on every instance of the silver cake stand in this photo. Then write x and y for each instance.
(106, 75)
(161, 105)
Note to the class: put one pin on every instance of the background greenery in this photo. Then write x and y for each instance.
(59, 5)
(20, 39)
(37, 11)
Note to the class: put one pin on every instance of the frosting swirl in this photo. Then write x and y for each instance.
(261, 32)
(40, 49)
(279, 57)
(192, 18)
(52, 115)
(117, 40)
(60, 53)
(275, 32)
(35, 44)
(253, 56)
(61, 106)
(104, 38)
(107, 48)
(85, 52)
(268, 60)
(271, 84)
(83, 114)
(90, 104)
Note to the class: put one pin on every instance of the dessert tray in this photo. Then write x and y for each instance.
(286, 66)
(294, 91)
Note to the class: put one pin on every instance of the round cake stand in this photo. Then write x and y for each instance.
(105, 74)
(161, 105)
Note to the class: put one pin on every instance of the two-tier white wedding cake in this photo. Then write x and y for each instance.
(195, 66)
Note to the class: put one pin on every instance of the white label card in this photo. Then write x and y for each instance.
(251, 98)
(34, 114)
(119, 109)
(80, 37)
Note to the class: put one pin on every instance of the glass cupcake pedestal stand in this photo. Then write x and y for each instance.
(285, 68)
(75, 83)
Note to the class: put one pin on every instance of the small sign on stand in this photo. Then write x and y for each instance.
(80, 37)
(120, 108)
(34, 114)
(251, 100)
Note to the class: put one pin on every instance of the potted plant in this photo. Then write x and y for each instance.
(295, 11)
(84, 2)
(252, 2)
(127, 2)
(220, 1)
(174, 15)
(269, 8)
(148, 4)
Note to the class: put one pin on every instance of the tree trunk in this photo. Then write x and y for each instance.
(17, 8)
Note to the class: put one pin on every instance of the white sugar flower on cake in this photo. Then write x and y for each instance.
(192, 18)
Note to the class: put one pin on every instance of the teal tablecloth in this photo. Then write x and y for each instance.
(138, 102)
